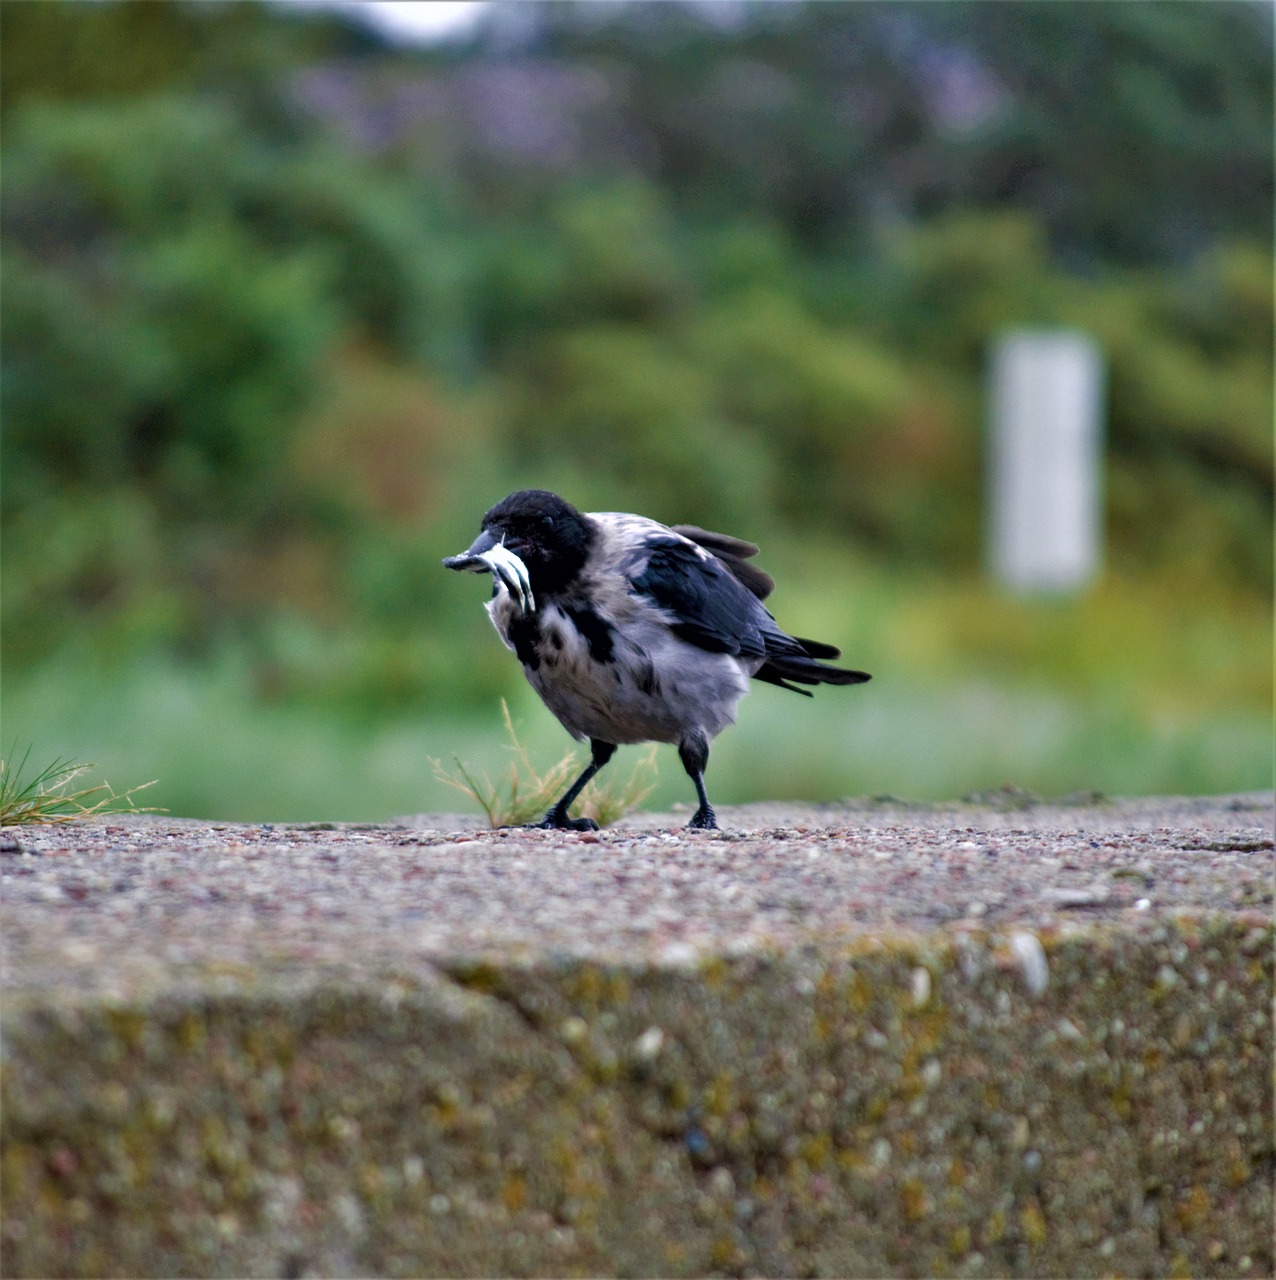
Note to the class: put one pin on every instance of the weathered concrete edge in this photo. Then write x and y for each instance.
(900, 1105)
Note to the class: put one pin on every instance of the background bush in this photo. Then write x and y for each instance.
(285, 308)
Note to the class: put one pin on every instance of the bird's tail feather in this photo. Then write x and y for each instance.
(818, 649)
(779, 669)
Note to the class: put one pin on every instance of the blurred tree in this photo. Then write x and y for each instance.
(173, 287)
(280, 305)
(1138, 130)
(185, 277)
(67, 50)
(1190, 367)
(1135, 130)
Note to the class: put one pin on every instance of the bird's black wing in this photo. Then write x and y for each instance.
(713, 610)
(733, 552)
(709, 606)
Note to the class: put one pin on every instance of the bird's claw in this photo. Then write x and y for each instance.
(703, 820)
(555, 821)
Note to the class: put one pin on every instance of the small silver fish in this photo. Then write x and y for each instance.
(504, 565)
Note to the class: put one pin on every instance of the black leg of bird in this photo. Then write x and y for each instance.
(557, 817)
(693, 751)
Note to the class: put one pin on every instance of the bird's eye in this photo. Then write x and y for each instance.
(547, 521)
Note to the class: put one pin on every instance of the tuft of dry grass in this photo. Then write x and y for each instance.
(523, 795)
(44, 798)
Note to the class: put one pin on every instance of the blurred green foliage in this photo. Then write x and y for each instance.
(284, 310)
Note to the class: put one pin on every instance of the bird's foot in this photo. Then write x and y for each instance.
(703, 820)
(557, 820)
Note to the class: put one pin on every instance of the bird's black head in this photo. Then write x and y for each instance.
(549, 535)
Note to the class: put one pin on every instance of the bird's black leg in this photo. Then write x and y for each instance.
(693, 751)
(557, 816)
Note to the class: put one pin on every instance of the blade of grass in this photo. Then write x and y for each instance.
(44, 798)
(483, 793)
(525, 794)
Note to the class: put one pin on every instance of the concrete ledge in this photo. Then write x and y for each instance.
(975, 1099)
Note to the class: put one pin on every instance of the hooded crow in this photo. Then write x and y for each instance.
(634, 631)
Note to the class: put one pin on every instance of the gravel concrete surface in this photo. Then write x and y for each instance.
(989, 1038)
(133, 903)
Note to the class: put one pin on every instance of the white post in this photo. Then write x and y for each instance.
(1044, 474)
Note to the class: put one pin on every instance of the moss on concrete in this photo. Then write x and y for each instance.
(902, 1106)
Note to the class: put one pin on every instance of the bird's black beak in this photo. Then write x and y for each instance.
(472, 560)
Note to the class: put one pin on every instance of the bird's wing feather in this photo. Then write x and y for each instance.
(708, 606)
(733, 552)
(717, 542)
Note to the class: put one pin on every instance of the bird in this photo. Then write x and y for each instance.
(634, 631)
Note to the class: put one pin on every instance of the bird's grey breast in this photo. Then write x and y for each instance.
(650, 687)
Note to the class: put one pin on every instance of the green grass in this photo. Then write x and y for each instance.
(42, 796)
(217, 752)
(524, 793)
(1133, 688)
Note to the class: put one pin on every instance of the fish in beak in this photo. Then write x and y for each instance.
(487, 555)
